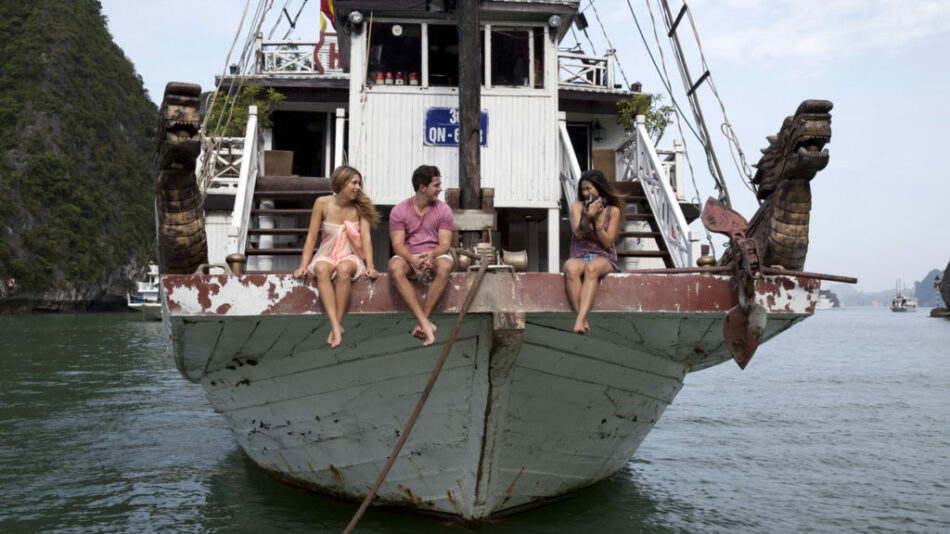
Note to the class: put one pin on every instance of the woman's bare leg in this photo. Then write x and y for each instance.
(344, 279)
(573, 270)
(324, 271)
(594, 270)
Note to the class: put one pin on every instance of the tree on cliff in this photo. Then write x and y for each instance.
(75, 150)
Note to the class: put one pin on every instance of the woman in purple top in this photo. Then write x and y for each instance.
(597, 215)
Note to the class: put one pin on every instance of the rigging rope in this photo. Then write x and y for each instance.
(742, 166)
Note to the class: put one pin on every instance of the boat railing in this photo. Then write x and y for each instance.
(292, 57)
(577, 68)
(639, 161)
(570, 168)
(219, 162)
(251, 167)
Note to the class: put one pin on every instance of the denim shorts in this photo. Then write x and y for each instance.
(589, 257)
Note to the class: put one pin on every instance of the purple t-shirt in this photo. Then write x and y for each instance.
(422, 231)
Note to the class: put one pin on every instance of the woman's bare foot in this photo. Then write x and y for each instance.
(420, 333)
(425, 332)
(335, 337)
(581, 326)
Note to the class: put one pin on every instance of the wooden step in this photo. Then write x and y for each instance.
(293, 183)
(648, 235)
(278, 231)
(276, 211)
(290, 193)
(273, 251)
(638, 216)
(643, 254)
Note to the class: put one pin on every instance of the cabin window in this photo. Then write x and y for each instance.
(443, 55)
(517, 58)
(395, 54)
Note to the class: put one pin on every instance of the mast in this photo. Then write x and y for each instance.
(469, 112)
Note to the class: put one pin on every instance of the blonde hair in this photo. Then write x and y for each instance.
(364, 206)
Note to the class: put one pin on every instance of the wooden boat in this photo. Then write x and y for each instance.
(525, 411)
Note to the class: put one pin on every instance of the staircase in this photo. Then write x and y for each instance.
(641, 245)
(281, 218)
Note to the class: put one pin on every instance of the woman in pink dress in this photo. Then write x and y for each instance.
(345, 220)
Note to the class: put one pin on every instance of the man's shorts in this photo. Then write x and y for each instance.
(413, 274)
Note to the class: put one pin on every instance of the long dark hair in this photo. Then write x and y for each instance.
(604, 190)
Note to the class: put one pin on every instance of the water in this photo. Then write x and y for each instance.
(840, 425)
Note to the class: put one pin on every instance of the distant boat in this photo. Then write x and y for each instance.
(901, 303)
(824, 303)
(145, 297)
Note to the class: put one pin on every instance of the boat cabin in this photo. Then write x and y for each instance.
(381, 93)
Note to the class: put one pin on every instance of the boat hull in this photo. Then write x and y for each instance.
(523, 411)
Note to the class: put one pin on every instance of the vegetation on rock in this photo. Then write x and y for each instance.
(75, 149)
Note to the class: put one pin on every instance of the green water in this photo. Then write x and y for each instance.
(842, 424)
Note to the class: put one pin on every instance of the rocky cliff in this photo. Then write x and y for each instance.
(76, 217)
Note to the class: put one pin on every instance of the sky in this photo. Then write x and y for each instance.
(880, 208)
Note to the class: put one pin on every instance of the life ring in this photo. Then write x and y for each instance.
(11, 283)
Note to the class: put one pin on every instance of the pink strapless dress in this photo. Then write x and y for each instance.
(340, 242)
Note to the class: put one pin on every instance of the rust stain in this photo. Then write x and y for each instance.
(418, 472)
(511, 486)
(289, 469)
(244, 382)
(336, 473)
(407, 492)
(448, 493)
(462, 489)
(223, 309)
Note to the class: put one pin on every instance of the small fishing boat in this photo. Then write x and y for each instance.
(145, 299)
(524, 410)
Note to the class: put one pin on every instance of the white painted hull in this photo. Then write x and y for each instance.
(516, 417)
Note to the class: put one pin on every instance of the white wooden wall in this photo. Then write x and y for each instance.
(520, 160)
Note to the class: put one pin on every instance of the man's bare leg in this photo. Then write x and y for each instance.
(398, 269)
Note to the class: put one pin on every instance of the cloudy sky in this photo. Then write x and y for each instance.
(881, 207)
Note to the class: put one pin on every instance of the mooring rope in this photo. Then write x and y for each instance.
(425, 395)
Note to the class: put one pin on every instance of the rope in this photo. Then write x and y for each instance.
(425, 395)
(611, 45)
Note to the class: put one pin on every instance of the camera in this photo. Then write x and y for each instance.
(590, 200)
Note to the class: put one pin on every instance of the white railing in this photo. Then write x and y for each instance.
(298, 57)
(639, 161)
(251, 167)
(219, 163)
(570, 169)
(576, 68)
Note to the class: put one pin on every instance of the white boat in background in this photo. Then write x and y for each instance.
(903, 303)
(525, 410)
(824, 303)
(145, 299)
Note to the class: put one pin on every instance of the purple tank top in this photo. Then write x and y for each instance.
(589, 244)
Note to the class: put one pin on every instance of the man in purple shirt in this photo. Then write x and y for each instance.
(420, 231)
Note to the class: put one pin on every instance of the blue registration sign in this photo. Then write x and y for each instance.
(442, 127)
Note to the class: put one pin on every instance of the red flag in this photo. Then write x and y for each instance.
(326, 9)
